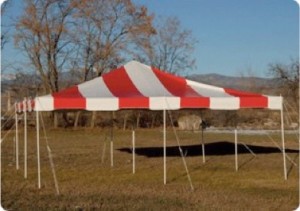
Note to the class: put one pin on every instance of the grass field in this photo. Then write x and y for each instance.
(87, 183)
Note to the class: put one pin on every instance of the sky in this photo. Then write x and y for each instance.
(235, 37)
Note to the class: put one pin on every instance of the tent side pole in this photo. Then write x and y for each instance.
(111, 153)
(236, 150)
(133, 152)
(25, 145)
(165, 151)
(38, 148)
(17, 141)
(112, 142)
(283, 144)
(203, 145)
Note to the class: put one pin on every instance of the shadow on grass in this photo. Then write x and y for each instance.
(217, 148)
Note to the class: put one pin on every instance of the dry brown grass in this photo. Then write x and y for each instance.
(86, 183)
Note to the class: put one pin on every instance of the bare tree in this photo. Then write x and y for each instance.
(287, 76)
(4, 32)
(171, 48)
(105, 32)
(41, 34)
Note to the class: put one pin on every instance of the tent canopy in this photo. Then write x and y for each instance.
(138, 86)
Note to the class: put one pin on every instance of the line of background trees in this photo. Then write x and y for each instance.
(87, 38)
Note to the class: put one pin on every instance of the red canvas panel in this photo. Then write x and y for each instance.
(69, 99)
(194, 102)
(177, 86)
(120, 85)
(248, 99)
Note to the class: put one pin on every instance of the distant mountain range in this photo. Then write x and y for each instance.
(255, 84)
(8, 77)
(242, 83)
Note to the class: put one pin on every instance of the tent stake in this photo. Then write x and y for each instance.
(283, 145)
(25, 144)
(236, 150)
(165, 152)
(133, 152)
(38, 148)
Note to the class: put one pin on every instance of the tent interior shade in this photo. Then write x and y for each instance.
(138, 86)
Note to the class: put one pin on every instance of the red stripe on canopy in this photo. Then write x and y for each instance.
(178, 86)
(248, 99)
(195, 102)
(121, 86)
(69, 98)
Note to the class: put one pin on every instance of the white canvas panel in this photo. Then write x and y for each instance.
(25, 107)
(207, 90)
(224, 103)
(102, 104)
(145, 80)
(29, 107)
(94, 88)
(164, 103)
(45, 103)
(275, 103)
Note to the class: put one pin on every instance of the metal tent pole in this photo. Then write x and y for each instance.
(17, 142)
(38, 148)
(25, 144)
(133, 152)
(165, 151)
(111, 153)
(299, 112)
(112, 142)
(203, 145)
(299, 144)
(236, 150)
(283, 144)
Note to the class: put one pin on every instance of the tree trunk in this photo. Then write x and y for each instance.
(93, 119)
(125, 121)
(55, 119)
(153, 120)
(76, 121)
(65, 117)
(138, 119)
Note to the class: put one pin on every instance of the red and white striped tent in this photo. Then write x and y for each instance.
(138, 86)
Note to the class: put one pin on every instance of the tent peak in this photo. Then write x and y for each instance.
(135, 64)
